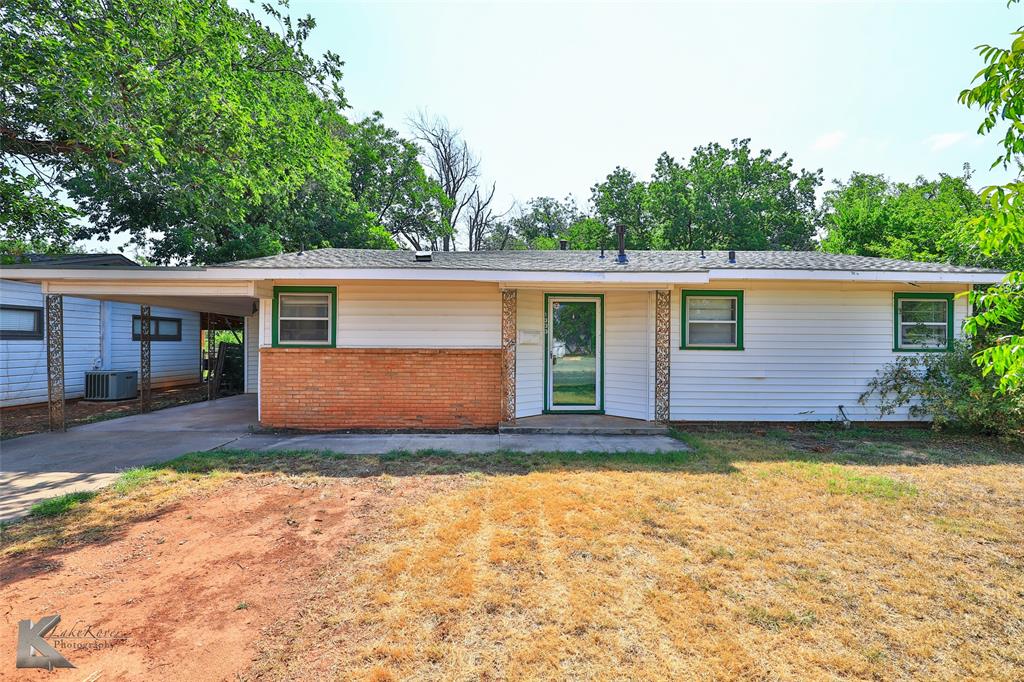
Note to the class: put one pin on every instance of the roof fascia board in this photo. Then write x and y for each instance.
(857, 275)
(210, 275)
(294, 274)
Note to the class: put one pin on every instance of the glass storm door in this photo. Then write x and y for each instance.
(574, 380)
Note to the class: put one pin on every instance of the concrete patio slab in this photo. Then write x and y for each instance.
(39, 466)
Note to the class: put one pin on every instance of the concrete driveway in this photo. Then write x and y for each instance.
(43, 465)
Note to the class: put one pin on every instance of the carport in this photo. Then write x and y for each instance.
(148, 288)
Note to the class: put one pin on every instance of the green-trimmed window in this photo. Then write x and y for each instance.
(922, 322)
(304, 316)
(712, 320)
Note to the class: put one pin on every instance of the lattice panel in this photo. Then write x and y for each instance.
(55, 359)
(509, 312)
(145, 357)
(662, 354)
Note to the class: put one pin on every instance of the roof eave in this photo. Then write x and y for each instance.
(226, 274)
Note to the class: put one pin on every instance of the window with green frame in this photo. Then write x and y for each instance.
(712, 320)
(304, 316)
(922, 322)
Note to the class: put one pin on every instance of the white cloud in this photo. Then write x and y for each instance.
(830, 140)
(941, 141)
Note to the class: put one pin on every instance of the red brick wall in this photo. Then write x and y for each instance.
(371, 388)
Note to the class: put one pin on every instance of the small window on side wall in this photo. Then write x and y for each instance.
(304, 316)
(923, 322)
(21, 323)
(160, 328)
(712, 320)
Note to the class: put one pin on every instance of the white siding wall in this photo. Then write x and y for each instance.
(400, 314)
(172, 362)
(809, 348)
(97, 335)
(419, 315)
(252, 353)
(530, 353)
(23, 362)
(627, 351)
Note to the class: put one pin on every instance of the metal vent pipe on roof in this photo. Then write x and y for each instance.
(621, 230)
(424, 256)
(732, 256)
(563, 244)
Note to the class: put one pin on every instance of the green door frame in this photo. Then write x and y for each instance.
(548, 408)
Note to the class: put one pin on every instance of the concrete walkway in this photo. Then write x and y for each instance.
(87, 457)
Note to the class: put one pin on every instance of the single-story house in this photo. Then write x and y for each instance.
(98, 335)
(368, 339)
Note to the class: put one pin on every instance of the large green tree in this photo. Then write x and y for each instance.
(187, 124)
(731, 197)
(622, 199)
(998, 91)
(390, 184)
(926, 220)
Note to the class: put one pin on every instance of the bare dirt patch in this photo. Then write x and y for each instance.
(193, 585)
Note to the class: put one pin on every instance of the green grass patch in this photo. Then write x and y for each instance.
(131, 479)
(839, 480)
(775, 619)
(55, 506)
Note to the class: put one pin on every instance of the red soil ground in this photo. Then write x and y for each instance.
(193, 586)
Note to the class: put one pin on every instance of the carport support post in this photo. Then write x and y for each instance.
(145, 366)
(662, 353)
(55, 360)
(509, 312)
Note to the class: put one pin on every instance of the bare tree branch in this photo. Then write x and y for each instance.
(452, 163)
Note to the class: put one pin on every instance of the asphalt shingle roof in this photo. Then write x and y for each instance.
(589, 261)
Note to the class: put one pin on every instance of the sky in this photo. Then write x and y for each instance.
(553, 96)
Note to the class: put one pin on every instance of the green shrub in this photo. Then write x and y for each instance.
(950, 389)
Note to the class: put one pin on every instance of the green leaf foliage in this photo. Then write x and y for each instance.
(722, 197)
(927, 220)
(728, 197)
(951, 389)
(189, 125)
(998, 91)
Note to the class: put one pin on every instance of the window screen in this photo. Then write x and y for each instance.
(304, 318)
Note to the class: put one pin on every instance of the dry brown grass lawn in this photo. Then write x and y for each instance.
(745, 561)
(810, 554)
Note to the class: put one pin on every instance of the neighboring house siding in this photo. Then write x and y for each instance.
(252, 353)
(23, 362)
(97, 335)
(530, 353)
(809, 347)
(626, 351)
(173, 362)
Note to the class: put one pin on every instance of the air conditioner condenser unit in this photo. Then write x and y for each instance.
(110, 385)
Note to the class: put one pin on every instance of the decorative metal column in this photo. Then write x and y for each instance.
(662, 353)
(509, 312)
(211, 361)
(55, 359)
(145, 366)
